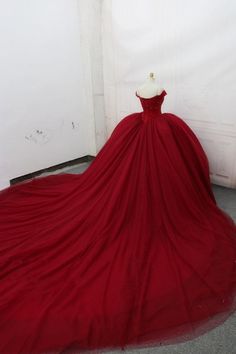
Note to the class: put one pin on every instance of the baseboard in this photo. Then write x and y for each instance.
(77, 161)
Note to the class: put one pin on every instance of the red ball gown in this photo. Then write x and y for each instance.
(132, 252)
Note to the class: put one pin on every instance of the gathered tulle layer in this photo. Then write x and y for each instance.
(132, 252)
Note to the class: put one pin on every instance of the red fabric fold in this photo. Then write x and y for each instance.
(132, 252)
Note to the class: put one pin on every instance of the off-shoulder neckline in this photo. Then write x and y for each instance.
(148, 98)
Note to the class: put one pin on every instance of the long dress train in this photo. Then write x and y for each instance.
(132, 252)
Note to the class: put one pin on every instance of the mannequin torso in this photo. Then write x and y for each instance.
(149, 88)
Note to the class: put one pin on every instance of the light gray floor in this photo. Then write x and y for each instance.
(226, 199)
(221, 340)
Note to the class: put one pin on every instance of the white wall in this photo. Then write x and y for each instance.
(51, 88)
(191, 46)
(45, 92)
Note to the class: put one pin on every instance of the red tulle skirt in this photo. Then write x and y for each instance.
(132, 252)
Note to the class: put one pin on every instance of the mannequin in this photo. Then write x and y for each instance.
(149, 88)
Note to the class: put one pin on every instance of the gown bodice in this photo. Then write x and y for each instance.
(152, 104)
